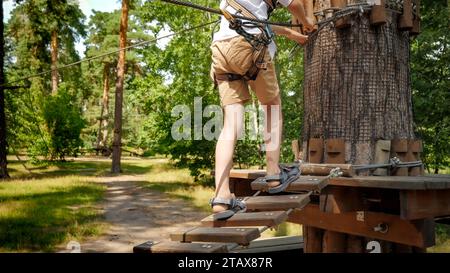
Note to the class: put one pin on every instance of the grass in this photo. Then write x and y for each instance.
(45, 206)
(37, 215)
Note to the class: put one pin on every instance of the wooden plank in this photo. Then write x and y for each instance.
(333, 242)
(378, 14)
(269, 219)
(382, 156)
(400, 150)
(313, 239)
(335, 151)
(418, 233)
(405, 22)
(279, 202)
(414, 151)
(416, 24)
(276, 244)
(315, 150)
(303, 183)
(424, 204)
(247, 174)
(176, 247)
(242, 236)
(428, 182)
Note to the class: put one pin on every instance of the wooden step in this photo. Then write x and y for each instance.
(176, 247)
(242, 236)
(303, 183)
(270, 219)
(292, 244)
(279, 202)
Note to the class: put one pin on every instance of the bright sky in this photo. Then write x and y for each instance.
(86, 6)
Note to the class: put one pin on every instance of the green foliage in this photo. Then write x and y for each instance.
(431, 83)
(64, 124)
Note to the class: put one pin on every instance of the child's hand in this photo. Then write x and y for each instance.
(308, 24)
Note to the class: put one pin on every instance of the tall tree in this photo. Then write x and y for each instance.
(3, 144)
(117, 143)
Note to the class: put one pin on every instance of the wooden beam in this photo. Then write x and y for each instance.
(416, 24)
(421, 204)
(242, 236)
(418, 233)
(405, 21)
(296, 149)
(335, 199)
(335, 151)
(378, 14)
(270, 219)
(400, 150)
(279, 202)
(275, 244)
(315, 150)
(176, 247)
(382, 156)
(303, 183)
(428, 182)
(343, 22)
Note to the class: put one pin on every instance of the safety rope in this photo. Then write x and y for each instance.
(219, 12)
(112, 52)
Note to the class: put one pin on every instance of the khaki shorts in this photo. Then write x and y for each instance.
(235, 56)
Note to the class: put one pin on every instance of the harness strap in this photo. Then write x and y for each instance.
(260, 48)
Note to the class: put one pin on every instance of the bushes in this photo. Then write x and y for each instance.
(64, 123)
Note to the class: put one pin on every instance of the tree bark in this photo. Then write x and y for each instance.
(3, 143)
(117, 143)
(102, 137)
(54, 53)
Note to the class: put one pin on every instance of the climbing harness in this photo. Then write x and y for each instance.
(259, 42)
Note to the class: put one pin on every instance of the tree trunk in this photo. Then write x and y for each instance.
(117, 143)
(356, 92)
(357, 86)
(3, 144)
(102, 137)
(54, 53)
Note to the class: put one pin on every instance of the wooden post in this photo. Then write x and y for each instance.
(312, 239)
(378, 14)
(406, 19)
(382, 156)
(313, 236)
(414, 151)
(334, 242)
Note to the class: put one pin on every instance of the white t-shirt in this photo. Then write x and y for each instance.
(257, 8)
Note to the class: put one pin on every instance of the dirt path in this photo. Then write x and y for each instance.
(137, 215)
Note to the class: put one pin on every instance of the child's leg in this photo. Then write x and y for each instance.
(273, 136)
(232, 129)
